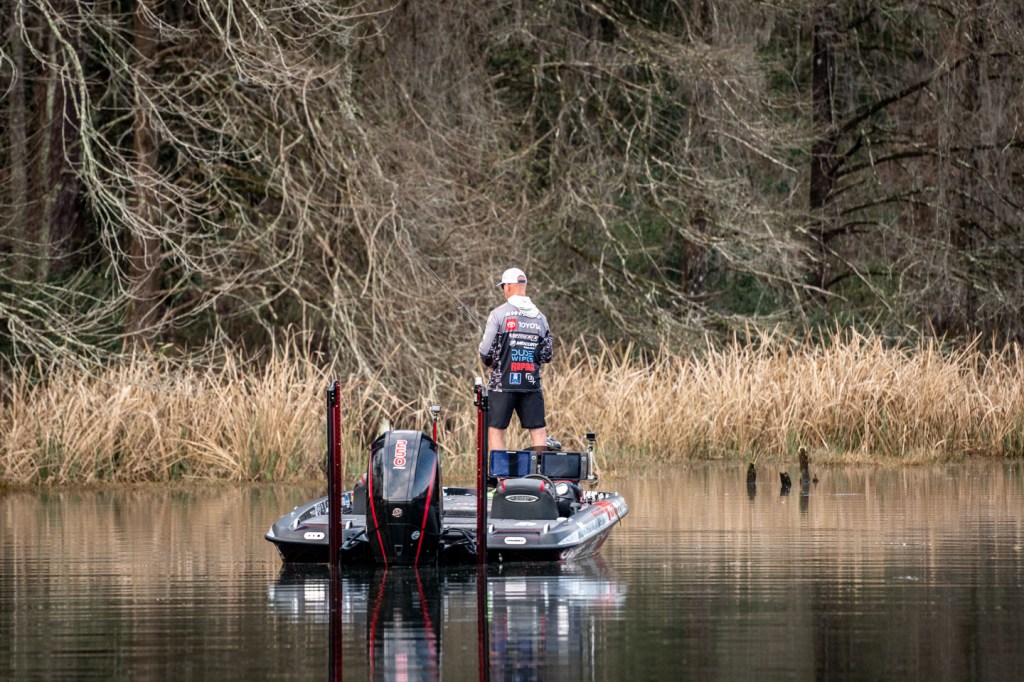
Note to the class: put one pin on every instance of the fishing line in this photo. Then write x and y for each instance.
(462, 306)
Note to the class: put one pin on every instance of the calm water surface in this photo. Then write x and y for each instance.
(874, 574)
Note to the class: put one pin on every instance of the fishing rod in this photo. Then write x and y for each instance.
(462, 306)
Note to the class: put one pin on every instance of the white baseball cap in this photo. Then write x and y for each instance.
(512, 276)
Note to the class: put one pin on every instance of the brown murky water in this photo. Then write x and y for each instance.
(873, 574)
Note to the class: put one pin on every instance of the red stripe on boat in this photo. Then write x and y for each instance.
(608, 508)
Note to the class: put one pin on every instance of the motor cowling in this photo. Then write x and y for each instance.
(403, 486)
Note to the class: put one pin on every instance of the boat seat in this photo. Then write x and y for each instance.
(524, 499)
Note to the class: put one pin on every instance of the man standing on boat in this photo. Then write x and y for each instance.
(516, 341)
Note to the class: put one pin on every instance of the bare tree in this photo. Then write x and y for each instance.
(230, 173)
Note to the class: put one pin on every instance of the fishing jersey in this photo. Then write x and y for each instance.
(514, 345)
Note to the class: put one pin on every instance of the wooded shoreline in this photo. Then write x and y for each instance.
(209, 210)
(192, 175)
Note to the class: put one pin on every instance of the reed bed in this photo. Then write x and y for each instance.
(851, 399)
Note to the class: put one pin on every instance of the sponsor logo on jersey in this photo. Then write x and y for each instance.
(522, 367)
(511, 324)
(515, 378)
(522, 355)
(529, 325)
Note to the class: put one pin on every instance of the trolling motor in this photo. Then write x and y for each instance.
(595, 470)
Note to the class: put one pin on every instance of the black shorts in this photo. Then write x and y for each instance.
(529, 405)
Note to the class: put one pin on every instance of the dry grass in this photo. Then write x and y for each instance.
(851, 400)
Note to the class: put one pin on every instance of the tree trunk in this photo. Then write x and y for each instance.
(144, 249)
(61, 197)
(963, 238)
(693, 266)
(66, 215)
(40, 209)
(823, 149)
(17, 227)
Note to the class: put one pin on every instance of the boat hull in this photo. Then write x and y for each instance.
(302, 535)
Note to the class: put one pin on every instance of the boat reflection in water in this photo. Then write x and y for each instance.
(529, 621)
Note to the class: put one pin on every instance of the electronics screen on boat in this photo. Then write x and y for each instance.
(561, 465)
(510, 463)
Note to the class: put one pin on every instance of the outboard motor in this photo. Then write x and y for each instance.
(403, 487)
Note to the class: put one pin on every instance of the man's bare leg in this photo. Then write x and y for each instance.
(495, 438)
(539, 438)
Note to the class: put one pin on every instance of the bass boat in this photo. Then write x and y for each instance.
(399, 513)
